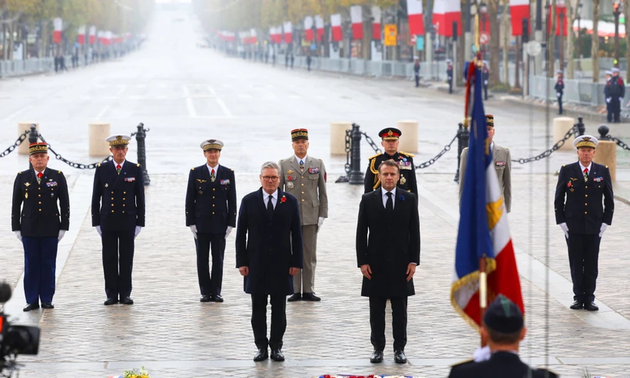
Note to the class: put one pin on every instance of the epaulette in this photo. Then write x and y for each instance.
(463, 362)
(375, 156)
(138, 165)
(232, 169)
(99, 164)
(19, 173)
(405, 153)
(59, 172)
(564, 165)
(606, 166)
(192, 169)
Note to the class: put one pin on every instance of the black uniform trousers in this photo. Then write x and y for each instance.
(583, 258)
(210, 284)
(615, 107)
(399, 321)
(118, 249)
(560, 103)
(609, 112)
(40, 260)
(278, 320)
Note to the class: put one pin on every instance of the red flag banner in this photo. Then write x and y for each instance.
(356, 16)
(414, 14)
(335, 21)
(519, 9)
(376, 24)
(57, 23)
(445, 12)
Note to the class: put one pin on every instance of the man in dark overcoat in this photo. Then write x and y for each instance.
(268, 255)
(388, 251)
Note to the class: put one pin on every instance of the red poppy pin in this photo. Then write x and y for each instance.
(283, 199)
(289, 178)
(569, 185)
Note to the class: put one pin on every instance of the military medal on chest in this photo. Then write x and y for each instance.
(290, 185)
(403, 180)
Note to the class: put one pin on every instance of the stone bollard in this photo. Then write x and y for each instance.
(22, 127)
(560, 127)
(98, 132)
(338, 137)
(409, 137)
(607, 155)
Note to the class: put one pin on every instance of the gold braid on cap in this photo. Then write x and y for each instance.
(119, 141)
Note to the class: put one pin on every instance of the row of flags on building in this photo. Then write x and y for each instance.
(445, 13)
(90, 36)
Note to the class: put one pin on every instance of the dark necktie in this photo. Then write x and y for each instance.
(212, 177)
(270, 207)
(585, 174)
(390, 202)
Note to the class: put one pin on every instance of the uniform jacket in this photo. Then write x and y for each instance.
(118, 199)
(616, 87)
(211, 206)
(388, 241)
(559, 86)
(34, 211)
(579, 203)
(309, 188)
(407, 172)
(502, 164)
(269, 246)
(449, 72)
(500, 365)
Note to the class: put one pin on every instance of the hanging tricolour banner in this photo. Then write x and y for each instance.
(253, 38)
(81, 35)
(376, 24)
(335, 22)
(356, 16)
(288, 32)
(92, 35)
(414, 14)
(519, 9)
(58, 27)
(445, 12)
(309, 34)
(319, 25)
(561, 20)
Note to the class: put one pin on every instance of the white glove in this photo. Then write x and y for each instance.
(620, 99)
(61, 234)
(193, 229)
(602, 229)
(565, 229)
(138, 229)
(559, 94)
(98, 229)
(228, 230)
(482, 354)
(320, 221)
(485, 82)
(18, 234)
(608, 100)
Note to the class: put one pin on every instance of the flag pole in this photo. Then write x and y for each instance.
(483, 291)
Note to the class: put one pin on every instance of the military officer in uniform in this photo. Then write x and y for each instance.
(390, 143)
(211, 216)
(502, 165)
(304, 177)
(118, 215)
(584, 206)
(40, 224)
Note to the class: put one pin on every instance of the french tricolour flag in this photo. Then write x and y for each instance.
(335, 22)
(58, 27)
(356, 16)
(319, 25)
(288, 32)
(519, 9)
(92, 34)
(445, 12)
(483, 225)
(414, 13)
(376, 24)
(308, 28)
(81, 35)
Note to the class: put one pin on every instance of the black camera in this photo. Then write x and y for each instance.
(14, 339)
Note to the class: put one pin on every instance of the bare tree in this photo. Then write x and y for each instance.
(626, 12)
(551, 46)
(595, 44)
(505, 23)
(572, 12)
(495, 43)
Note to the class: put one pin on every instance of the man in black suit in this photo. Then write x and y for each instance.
(211, 216)
(268, 255)
(118, 215)
(502, 330)
(583, 217)
(388, 251)
(40, 224)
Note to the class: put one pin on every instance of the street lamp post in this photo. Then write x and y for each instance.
(616, 13)
(579, 44)
(560, 9)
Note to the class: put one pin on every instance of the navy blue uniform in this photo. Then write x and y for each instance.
(501, 364)
(579, 204)
(404, 160)
(616, 92)
(559, 93)
(449, 77)
(39, 211)
(118, 207)
(211, 207)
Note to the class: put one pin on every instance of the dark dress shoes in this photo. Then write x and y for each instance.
(261, 355)
(111, 301)
(310, 297)
(217, 298)
(126, 301)
(295, 297)
(47, 305)
(276, 355)
(376, 357)
(205, 298)
(577, 305)
(591, 306)
(399, 357)
(31, 306)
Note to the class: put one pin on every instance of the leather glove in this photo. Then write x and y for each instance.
(608, 100)
(620, 99)
(193, 229)
(61, 235)
(228, 230)
(138, 229)
(320, 221)
(602, 229)
(565, 229)
(18, 234)
(98, 229)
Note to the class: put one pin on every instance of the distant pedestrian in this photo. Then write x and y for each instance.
(292, 60)
(308, 62)
(56, 61)
(416, 70)
(486, 77)
(449, 75)
(617, 92)
(559, 90)
(286, 60)
(62, 63)
(273, 59)
(609, 115)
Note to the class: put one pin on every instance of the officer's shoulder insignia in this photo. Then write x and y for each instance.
(99, 164)
(564, 165)
(19, 173)
(466, 362)
(192, 169)
(405, 153)
(606, 166)
(232, 169)
(138, 165)
(59, 172)
(375, 156)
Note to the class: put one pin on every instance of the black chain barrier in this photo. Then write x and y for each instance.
(71, 163)
(545, 154)
(430, 162)
(15, 145)
(371, 143)
(620, 143)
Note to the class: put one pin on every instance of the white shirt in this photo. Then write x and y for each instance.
(216, 169)
(274, 199)
(384, 197)
(303, 159)
(116, 164)
(589, 168)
